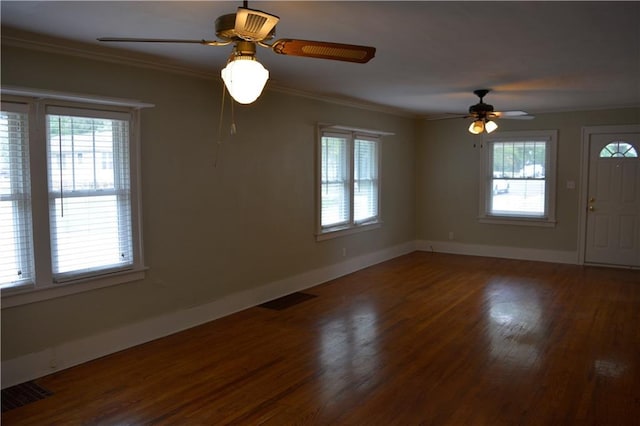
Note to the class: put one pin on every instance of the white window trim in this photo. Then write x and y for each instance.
(486, 174)
(353, 227)
(44, 287)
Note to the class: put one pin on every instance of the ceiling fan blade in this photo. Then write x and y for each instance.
(518, 117)
(505, 114)
(254, 25)
(512, 115)
(163, 40)
(446, 116)
(324, 50)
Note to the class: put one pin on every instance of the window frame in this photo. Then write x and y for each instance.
(45, 286)
(351, 225)
(548, 219)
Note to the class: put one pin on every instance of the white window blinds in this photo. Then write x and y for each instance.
(365, 180)
(348, 165)
(16, 238)
(89, 192)
(335, 180)
(519, 178)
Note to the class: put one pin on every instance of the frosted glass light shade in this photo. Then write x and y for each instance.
(476, 127)
(490, 126)
(245, 78)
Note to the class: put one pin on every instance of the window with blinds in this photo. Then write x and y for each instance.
(518, 180)
(365, 185)
(89, 192)
(519, 171)
(69, 195)
(348, 181)
(16, 238)
(335, 204)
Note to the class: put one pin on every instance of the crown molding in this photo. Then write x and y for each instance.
(31, 41)
(38, 42)
(338, 100)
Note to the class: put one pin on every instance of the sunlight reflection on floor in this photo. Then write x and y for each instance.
(514, 324)
(349, 353)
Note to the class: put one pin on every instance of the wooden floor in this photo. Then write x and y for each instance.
(425, 338)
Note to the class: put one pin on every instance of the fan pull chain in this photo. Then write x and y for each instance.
(233, 127)
(215, 160)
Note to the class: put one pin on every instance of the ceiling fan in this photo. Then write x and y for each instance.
(483, 115)
(243, 75)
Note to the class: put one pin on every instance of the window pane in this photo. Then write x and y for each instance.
(365, 180)
(517, 197)
(519, 159)
(90, 197)
(335, 181)
(16, 247)
(618, 149)
(517, 187)
(88, 233)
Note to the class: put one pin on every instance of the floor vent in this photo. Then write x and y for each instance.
(22, 394)
(287, 301)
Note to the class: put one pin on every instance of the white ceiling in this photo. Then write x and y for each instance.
(535, 56)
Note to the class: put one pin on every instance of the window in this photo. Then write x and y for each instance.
(518, 178)
(68, 197)
(618, 149)
(348, 181)
(90, 206)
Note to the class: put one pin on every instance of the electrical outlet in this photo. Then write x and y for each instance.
(451, 235)
(344, 252)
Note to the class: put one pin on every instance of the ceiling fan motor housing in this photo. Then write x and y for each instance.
(246, 24)
(481, 109)
(225, 25)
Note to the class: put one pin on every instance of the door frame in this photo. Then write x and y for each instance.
(587, 132)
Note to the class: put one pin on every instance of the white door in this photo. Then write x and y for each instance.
(613, 200)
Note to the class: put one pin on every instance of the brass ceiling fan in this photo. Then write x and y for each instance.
(243, 75)
(483, 115)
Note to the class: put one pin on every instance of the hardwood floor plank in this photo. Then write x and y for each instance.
(425, 338)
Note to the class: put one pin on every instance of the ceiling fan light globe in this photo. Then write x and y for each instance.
(245, 79)
(476, 127)
(490, 126)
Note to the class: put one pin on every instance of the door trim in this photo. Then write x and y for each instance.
(587, 132)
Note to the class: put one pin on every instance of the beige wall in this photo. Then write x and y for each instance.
(210, 232)
(214, 231)
(447, 174)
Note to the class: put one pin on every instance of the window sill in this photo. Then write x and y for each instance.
(29, 294)
(347, 230)
(521, 221)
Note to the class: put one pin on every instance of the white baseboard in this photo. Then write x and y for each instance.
(69, 354)
(453, 247)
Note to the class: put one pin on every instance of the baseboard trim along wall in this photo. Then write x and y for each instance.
(66, 355)
(541, 255)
